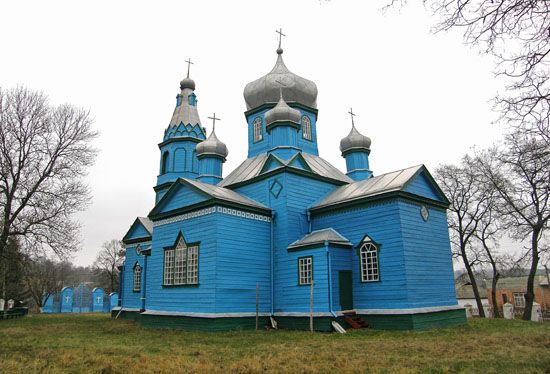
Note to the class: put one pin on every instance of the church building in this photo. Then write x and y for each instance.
(285, 233)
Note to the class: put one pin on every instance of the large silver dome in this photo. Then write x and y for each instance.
(266, 89)
(355, 141)
(212, 146)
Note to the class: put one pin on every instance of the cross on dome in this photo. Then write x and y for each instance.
(213, 118)
(189, 63)
(352, 115)
(280, 32)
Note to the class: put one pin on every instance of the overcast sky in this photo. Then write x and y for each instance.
(420, 97)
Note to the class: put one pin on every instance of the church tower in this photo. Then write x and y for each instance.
(265, 93)
(211, 154)
(355, 148)
(178, 155)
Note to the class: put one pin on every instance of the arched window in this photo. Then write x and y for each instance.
(164, 163)
(257, 127)
(181, 264)
(137, 278)
(306, 128)
(369, 263)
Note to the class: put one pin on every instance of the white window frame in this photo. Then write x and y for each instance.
(306, 128)
(181, 264)
(369, 262)
(257, 129)
(137, 278)
(305, 270)
(519, 299)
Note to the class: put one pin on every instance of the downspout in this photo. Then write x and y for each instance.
(309, 221)
(144, 293)
(329, 276)
(271, 260)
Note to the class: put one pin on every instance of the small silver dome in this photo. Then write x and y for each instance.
(355, 141)
(282, 112)
(212, 146)
(266, 89)
(187, 83)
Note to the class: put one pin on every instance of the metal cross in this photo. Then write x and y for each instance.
(98, 299)
(280, 32)
(189, 63)
(352, 115)
(281, 87)
(67, 298)
(213, 118)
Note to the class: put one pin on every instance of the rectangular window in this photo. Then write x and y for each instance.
(305, 270)
(519, 299)
(181, 265)
(137, 278)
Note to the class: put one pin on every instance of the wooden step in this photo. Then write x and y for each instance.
(356, 322)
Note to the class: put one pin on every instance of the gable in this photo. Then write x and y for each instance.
(424, 186)
(271, 163)
(299, 162)
(181, 196)
(137, 231)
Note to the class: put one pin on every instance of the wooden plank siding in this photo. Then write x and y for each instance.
(243, 261)
(187, 298)
(183, 196)
(428, 259)
(422, 186)
(381, 221)
(131, 299)
(341, 259)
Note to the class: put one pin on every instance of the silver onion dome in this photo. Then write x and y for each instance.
(355, 141)
(282, 112)
(266, 89)
(212, 146)
(187, 83)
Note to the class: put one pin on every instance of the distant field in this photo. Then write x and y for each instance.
(95, 343)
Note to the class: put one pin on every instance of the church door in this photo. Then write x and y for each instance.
(345, 288)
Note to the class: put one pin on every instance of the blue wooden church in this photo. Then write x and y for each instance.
(373, 246)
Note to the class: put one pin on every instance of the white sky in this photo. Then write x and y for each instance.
(422, 98)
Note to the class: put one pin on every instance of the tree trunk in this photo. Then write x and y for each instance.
(496, 275)
(472, 281)
(530, 294)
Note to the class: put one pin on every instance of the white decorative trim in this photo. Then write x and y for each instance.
(243, 214)
(203, 315)
(430, 309)
(139, 243)
(210, 210)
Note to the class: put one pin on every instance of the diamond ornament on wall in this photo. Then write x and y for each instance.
(276, 188)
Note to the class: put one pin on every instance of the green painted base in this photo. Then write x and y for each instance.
(202, 324)
(421, 321)
(134, 316)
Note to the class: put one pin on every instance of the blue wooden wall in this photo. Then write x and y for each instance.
(131, 299)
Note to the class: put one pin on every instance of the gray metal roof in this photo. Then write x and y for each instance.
(266, 89)
(252, 167)
(186, 113)
(320, 236)
(394, 181)
(147, 223)
(224, 193)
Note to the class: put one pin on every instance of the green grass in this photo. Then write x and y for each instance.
(95, 343)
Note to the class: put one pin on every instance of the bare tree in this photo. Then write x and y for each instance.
(520, 173)
(43, 277)
(108, 260)
(45, 152)
(469, 198)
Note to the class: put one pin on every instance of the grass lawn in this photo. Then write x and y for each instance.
(95, 343)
